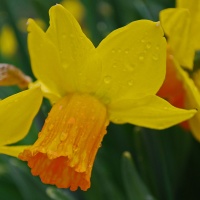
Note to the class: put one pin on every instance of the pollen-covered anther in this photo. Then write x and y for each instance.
(67, 145)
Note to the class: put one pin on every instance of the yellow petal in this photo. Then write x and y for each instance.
(176, 24)
(192, 99)
(194, 8)
(67, 36)
(12, 150)
(150, 111)
(53, 97)
(133, 60)
(45, 59)
(192, 5)
(76, 52)
(194, 122)
(17, 113)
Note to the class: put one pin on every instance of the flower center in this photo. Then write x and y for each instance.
(68, 143)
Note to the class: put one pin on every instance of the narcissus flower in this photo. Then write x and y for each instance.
(17, 113)
(117, 81)
(178, 88)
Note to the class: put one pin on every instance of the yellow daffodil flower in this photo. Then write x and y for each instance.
(17, 113)
(117, 82)
(178, 88)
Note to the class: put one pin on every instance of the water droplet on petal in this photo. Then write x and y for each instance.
(143, 40)
(65, 66)
(119, 50)
(155, 57)
(39, 134)
(130, 83)
(63, 36)
(157, 47)
(93, 118)
(117, 120)
(130, 67)
(114, 65)
(158, 23)
(90, 165)
(141, 56)
(113, 51)
(148, 45)
(75, 148)
(51, 127)
(51, 154)
(107, 79)
(63, 136)
(126, 51)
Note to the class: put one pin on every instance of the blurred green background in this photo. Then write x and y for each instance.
(133, 163)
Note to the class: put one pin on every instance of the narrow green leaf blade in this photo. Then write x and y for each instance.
(134, 186)
(58, 194)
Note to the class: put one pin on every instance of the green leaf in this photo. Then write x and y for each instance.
(58, 194)
(134, 186)
(24, 181)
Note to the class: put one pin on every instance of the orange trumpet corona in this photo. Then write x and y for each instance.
(67, 145)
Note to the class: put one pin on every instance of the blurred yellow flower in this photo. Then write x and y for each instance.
(76, 8)
(116, 82)
(17, 113)
(178, 88)
(8, 42)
